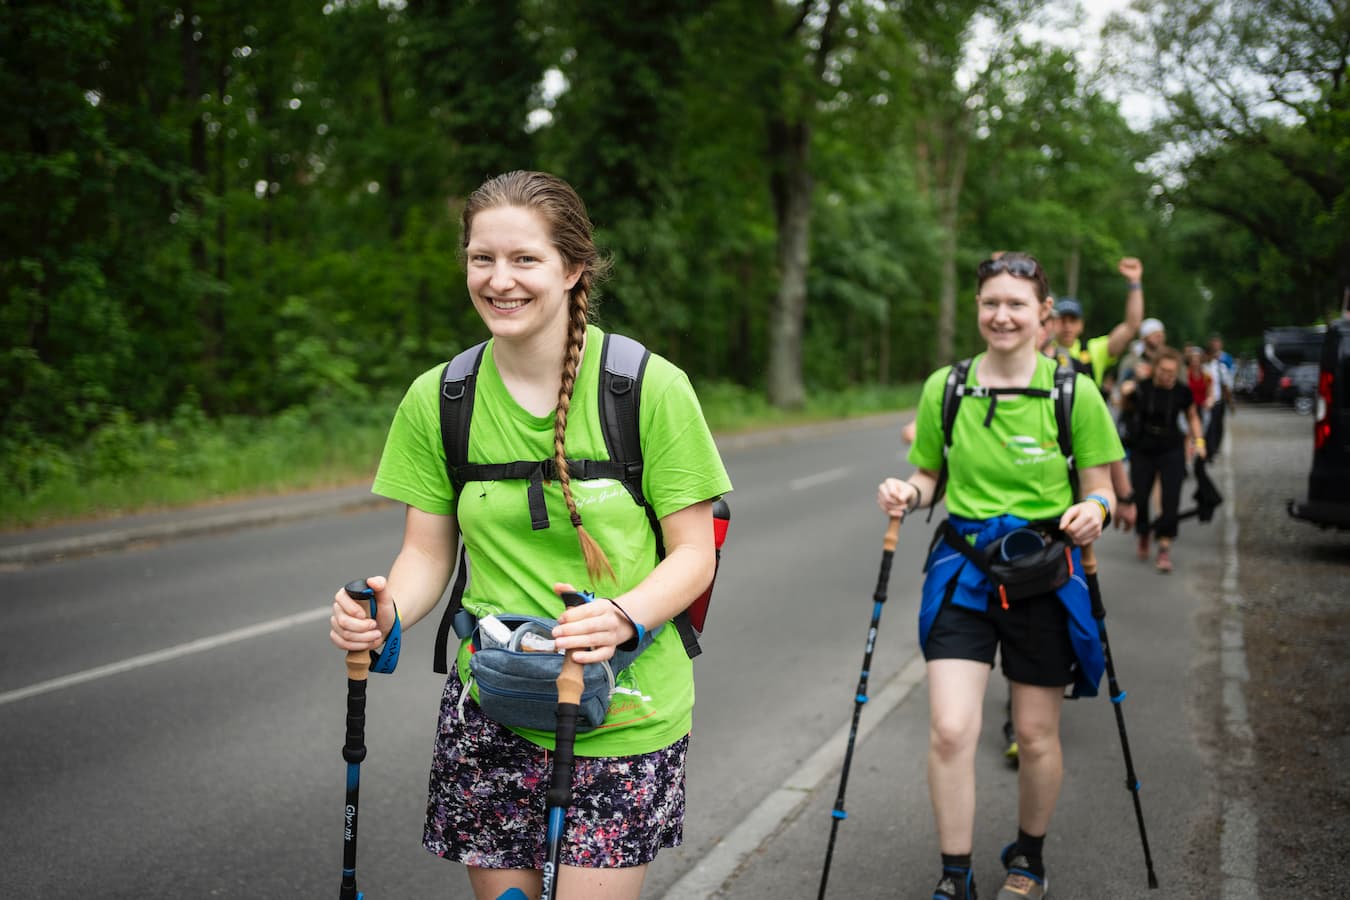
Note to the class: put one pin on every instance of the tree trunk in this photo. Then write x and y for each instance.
(950, 178)
(792, 186)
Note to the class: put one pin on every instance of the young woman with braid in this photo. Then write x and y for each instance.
(532, 269)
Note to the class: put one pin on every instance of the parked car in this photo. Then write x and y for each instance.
(1298, 387)
(1284, 347)
(1328, 502)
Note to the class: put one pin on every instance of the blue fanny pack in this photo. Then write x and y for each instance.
(518, 687)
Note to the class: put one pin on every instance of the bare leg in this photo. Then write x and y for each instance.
(489, 884)
(1041, 762)
(955, 700)
(573, 883)
(601, 884)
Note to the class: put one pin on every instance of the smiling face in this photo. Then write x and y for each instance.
(518, 280)
(1010, 313)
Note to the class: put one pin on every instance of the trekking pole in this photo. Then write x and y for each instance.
(570, 685)
(354, 751)
(1117, 697)
(878, 598)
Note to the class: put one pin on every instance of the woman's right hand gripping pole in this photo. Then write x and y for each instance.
(896, 496)
(351, 628)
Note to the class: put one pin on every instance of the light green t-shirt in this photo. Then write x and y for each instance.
(1013, 466)
(513, 568)
(1097, 353)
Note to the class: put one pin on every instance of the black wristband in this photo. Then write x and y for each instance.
(918, 495)
(638, 631)
(1128, 498)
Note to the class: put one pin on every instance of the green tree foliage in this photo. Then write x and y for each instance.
(1054, 167)
(63, 339)
(251, 209)
(1258, 125)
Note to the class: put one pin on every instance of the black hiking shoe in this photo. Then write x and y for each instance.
(955, 884)
(1020, 883)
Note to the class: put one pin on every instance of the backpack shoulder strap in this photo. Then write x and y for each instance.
(952, 392)
(1066, 378)
(458, 381)
(622, 364)
(623, 361)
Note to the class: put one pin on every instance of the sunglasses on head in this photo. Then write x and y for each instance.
(1021, 266)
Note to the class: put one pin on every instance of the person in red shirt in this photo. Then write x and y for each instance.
(1197, 379)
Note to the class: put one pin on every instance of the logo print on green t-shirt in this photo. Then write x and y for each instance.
(1030, 447)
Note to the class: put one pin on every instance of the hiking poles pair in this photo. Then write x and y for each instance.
(860, 697)
(559, 797)
(1117, 697)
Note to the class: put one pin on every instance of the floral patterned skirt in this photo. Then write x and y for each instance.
(486, 806)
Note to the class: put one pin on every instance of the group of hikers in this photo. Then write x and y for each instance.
(1020, 443)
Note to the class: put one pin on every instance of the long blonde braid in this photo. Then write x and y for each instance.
(597, 563)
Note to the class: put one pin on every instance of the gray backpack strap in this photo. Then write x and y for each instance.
(623, 360)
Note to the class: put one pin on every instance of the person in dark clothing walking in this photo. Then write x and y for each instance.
(1158, 449)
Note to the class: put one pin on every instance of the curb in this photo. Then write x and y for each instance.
(116, 538)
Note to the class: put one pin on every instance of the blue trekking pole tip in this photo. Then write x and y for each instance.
(513, 894)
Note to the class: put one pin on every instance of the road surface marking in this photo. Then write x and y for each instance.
(798, 484)
(1238, 850)
(149, 659)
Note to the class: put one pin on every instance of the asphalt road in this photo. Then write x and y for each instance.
(173, 714)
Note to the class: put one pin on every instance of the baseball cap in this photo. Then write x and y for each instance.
(1150, 326)
(1068, 306)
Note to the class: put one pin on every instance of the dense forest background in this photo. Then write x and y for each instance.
(241, 208)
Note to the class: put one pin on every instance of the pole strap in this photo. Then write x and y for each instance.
(386, 660)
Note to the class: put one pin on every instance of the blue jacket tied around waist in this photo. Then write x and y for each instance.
(973, 590)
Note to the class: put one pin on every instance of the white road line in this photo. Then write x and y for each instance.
(159, 656)
(825, 477)
(784, 803)
(1238, 828)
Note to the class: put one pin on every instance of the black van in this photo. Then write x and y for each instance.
(1281, 348)
(1328, 502)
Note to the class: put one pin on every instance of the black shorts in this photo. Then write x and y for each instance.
(1033, 634)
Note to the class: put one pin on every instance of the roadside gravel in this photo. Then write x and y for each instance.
(1295, 587)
